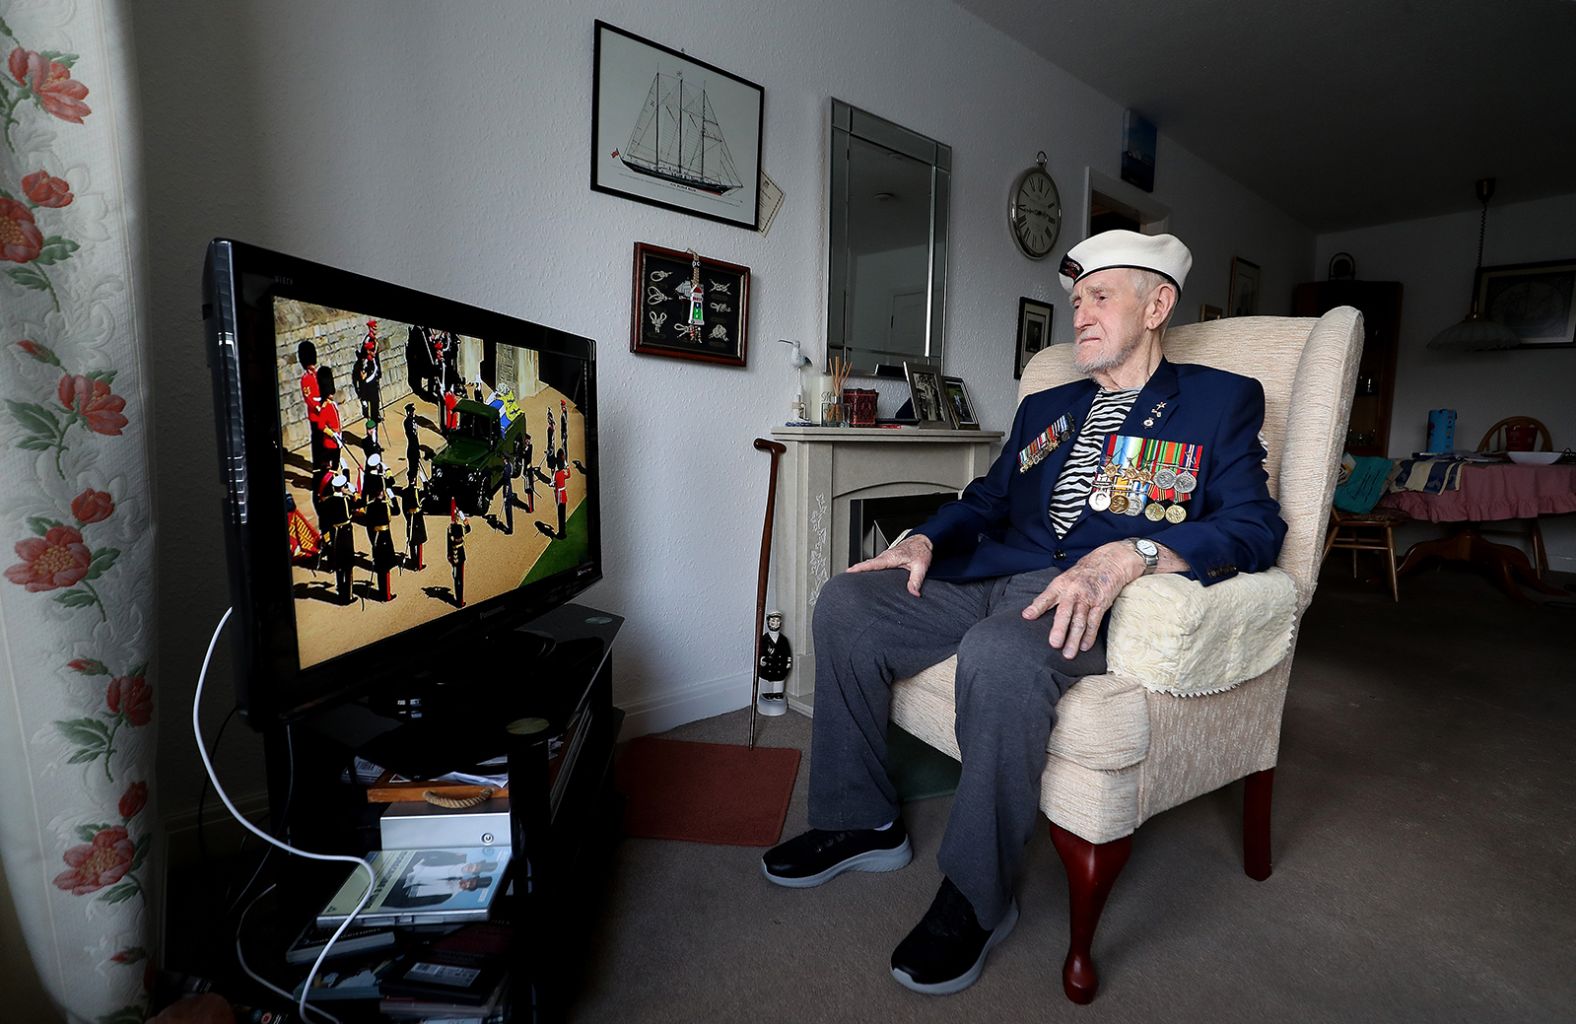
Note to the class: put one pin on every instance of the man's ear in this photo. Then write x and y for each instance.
(1161, 303)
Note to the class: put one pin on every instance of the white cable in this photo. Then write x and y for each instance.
(213, 777)
(240, 957)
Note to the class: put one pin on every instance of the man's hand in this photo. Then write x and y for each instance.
(912, 553)
(1083, 594)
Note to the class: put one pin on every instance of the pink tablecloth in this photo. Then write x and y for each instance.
(1504, 491)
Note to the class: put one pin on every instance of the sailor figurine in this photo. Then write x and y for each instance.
(775, 662)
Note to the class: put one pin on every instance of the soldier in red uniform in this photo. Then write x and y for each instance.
(306, 353)
(328, 418)
(451, 416)
(369, 375)
(561, 492)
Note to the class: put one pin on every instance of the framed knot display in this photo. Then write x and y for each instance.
(686, 306)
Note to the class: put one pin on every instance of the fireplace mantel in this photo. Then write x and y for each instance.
(825, 468)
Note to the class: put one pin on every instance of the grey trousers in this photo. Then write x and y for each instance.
(869, 631)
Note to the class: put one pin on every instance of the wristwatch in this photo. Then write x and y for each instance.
(1149, 551)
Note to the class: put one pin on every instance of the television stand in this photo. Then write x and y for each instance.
(549, 680)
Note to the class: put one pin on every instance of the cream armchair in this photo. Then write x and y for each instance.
(1126, 746)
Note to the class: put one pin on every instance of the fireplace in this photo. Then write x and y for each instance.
(831, 488)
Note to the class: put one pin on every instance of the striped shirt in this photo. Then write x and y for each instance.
(1106, 416)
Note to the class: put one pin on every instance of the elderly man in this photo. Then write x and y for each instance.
(1147, 466)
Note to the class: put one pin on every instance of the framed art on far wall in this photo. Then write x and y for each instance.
(1243, 299)
(1034, 332)
(674, 131)
(662, 307)
(1536, 300)
(927, 392)
(959, 405)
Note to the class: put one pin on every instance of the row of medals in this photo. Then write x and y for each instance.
(1120, 479)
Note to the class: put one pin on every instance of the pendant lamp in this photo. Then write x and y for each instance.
(1477, 333)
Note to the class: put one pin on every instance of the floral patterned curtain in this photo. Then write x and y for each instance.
(78, 829)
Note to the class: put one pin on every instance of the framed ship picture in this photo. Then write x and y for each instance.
(673, 131)
(689, 307)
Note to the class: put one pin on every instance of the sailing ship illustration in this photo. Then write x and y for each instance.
(677, 138)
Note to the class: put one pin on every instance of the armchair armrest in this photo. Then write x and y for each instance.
(1174, 635)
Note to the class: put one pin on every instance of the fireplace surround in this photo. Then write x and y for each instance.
(824, 470)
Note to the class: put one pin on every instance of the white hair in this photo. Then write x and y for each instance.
(1145, 282)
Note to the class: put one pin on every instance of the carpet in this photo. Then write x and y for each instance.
(706, 792)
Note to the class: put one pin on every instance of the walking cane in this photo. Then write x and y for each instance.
(775, 449)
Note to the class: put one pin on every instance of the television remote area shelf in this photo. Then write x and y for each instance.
(511, 693)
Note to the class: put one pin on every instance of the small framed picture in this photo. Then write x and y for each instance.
(1034, 332)
(1536, 300)
(1208, 312)
(927, 392)
(959, 404)
(686, 306)
(1243, 299)
(674, 131)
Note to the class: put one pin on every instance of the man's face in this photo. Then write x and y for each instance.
(1108, 319)
(774, 622)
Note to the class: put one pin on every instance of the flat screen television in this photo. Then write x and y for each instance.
(335, 392)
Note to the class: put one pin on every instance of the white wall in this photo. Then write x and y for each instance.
(444, 146)
(1434, 259)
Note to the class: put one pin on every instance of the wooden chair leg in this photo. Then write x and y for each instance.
(1540, 554)
(1256, 795)
(1091, 871)
(1389, 553)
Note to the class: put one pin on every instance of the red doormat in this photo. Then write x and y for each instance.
(706, 792)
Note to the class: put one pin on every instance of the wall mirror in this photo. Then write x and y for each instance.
(888, 234)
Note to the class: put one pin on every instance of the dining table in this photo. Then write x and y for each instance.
(1489, 492)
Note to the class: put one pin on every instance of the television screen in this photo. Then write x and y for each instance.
(405, 473)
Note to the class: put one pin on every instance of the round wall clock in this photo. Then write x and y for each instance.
(1034, 215)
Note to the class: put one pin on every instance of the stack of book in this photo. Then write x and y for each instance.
(422, 948)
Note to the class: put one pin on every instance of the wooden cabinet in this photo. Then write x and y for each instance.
(1368, 431)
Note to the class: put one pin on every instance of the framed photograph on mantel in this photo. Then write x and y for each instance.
(1243, 299)
(665, 320)
(927, 392)
(1034, 332)
(674, 131)
(959, 404)
(1536, 300)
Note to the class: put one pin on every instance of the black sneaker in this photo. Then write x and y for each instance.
(946, 951)
(819, 855)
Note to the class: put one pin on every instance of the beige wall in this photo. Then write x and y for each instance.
(24, 996)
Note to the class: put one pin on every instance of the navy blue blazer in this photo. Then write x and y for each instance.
(1001, 525)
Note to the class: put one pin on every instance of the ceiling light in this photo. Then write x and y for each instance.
(1477, 333)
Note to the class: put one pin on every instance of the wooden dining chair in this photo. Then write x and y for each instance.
(1495, 441)
(1498, 434)
(1366, 531)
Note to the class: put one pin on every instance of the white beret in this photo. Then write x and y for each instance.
(1164, 254)
(374, 460)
